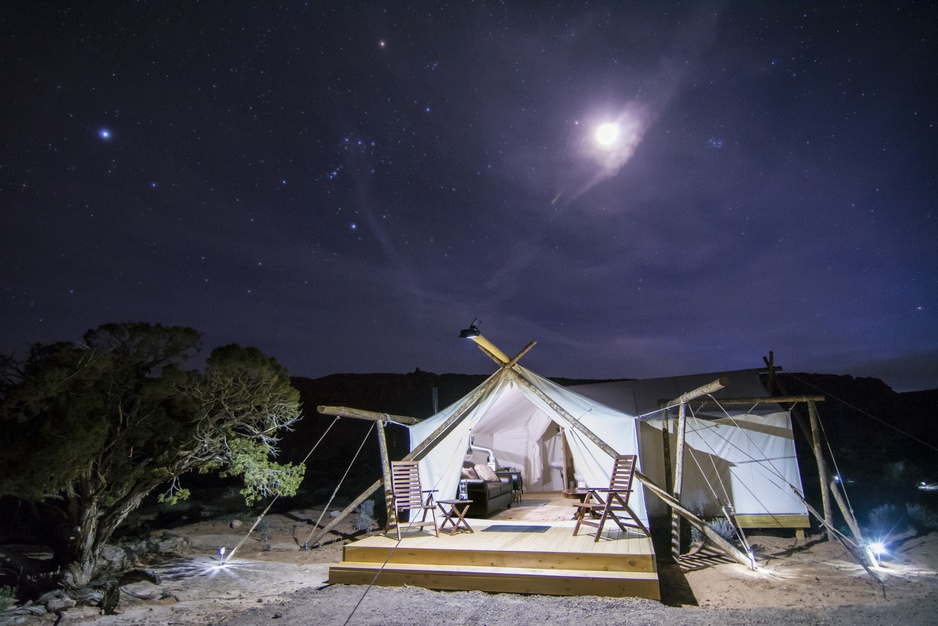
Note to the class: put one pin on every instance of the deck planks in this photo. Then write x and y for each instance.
(553, 562)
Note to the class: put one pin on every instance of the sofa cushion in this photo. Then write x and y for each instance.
(486, 473)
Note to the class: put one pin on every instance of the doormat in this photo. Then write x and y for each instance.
(505, 528)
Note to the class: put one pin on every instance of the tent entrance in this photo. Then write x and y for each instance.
(518, 436)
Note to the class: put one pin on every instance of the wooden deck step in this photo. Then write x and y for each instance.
(561, 582)
(526, 559)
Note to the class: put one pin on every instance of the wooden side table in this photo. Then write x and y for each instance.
(454, 512)
(517, 483)
(576, 494)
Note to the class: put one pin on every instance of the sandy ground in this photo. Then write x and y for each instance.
(273, 581)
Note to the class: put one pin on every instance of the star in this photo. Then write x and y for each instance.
(104, 133)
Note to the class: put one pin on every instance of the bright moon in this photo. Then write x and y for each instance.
(607, 134)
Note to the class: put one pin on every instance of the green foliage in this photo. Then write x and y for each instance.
(90, 428)
(7, 598)
(262, 477)
(174, 494)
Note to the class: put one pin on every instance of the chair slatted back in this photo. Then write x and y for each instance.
(601, 504)
(405, 485)
(622, 474)
(407, 495)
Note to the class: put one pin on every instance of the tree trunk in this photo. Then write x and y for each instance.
(82, 545)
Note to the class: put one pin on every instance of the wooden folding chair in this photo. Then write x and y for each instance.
(407, 495)
(610, 503)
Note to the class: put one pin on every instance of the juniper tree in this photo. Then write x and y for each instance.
(91, 428)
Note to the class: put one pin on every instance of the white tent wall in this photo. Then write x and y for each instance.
(748, 455)
(749, 458)
(516, 424)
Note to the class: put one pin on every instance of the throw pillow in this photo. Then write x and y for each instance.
(487, 474)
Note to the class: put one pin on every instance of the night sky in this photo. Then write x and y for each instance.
(645, 189)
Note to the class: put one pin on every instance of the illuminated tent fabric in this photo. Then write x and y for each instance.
(745, 454)
(517, 425)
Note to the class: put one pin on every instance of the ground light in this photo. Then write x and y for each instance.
(875, 550)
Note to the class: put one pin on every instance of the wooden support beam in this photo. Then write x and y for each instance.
(770, 363)
(425, 446)
(821, 465)
(517, 358)
(666, 447)
(847, 513)
(703, 390)
(360, 414)
(315, 537)
(489, 348)
(681, 403)
(678, 481)
(385, 464)
(758, 400)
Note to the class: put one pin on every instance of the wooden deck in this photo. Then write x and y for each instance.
(552, 562)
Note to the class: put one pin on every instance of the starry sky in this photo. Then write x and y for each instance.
(645, 189)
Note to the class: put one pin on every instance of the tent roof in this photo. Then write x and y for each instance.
(641, 397)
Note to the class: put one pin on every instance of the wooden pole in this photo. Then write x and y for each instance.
(821, 466)
(385, 468)
(847, 513)
(695, 521)
(678, 481)
(760, 400)
(344, 411)
(703, 390)
(315, 537)
(489, 348)
(770, 363)
(520, 354)
(681, 403)
(666, 447)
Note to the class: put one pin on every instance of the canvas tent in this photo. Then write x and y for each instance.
(743, 458)
(740, 455)
(521, 427)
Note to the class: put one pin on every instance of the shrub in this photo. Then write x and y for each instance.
(263, 529)
(7, 598)
(724, 528)
(921, 518)
(720, 525)
(883, 519)
(365, 516)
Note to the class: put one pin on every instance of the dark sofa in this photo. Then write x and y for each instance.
(487, 498)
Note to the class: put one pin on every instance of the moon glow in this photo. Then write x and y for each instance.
(607, 134)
